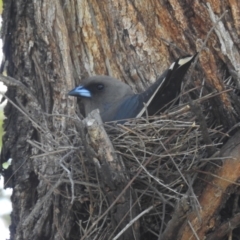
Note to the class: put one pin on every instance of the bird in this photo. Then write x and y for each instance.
(117, 102)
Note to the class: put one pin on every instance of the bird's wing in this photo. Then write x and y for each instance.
(166, 88)
(126, 109)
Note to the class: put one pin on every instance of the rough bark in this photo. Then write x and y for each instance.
(50, 46)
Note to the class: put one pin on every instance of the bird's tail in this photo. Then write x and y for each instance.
(167, 87)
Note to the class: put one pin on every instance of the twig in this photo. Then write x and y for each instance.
(204, 45)
(133, 221)
(9, 81)
(69, 173)
(193, 230)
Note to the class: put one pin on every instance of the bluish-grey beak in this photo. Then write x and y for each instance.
(80, 91)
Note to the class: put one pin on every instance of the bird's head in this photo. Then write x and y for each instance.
(102, 92)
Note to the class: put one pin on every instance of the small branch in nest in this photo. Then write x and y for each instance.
(155, 178)
(176, 166)
(193, 230)
(33, 121)
(114, 178)
(38, 146)
(203, 127)
(106, 157)
(194, 106)
(8, 182)
(216, 191)
(69, 173)
(204, 45)
(133, 221)
(185, 108)
(9, 81)
(47, 153)
(225, 228)
(177, 220)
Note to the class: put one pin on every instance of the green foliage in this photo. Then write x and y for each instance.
(1, 6)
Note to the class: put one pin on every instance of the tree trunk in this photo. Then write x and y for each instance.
(49, 47)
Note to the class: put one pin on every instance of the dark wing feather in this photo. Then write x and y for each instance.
(166, 88)
(128, 108)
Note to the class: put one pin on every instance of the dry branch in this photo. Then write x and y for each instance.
(216, 191)
(114, 178)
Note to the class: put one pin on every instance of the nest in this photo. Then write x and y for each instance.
(164, 155)
(161, 160)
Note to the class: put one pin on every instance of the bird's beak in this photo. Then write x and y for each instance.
(80, 91)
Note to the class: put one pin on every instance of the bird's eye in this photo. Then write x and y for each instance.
(100, 87)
